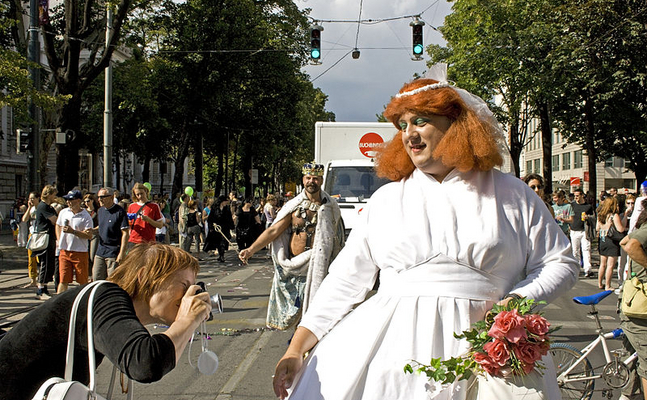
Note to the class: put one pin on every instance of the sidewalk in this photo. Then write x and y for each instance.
(15, 301)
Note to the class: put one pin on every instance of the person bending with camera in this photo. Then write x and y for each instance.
(155, 283)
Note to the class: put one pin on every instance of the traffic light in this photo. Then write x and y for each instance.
(22, 140)
(315, 42)
(418, 46)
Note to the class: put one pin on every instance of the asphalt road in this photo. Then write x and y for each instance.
(246, 350)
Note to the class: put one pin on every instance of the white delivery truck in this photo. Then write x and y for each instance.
(347, 151)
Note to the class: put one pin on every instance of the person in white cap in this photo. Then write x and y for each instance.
(73, 230)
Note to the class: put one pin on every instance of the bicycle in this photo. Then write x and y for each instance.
(575, 375)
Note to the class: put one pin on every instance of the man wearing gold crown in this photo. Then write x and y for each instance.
(306, 236)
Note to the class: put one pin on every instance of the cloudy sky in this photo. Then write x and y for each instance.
(359, 89)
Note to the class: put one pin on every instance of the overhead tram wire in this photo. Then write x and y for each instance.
(329, 68)
(359, 18)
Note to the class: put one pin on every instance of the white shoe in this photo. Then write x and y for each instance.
(43, 296)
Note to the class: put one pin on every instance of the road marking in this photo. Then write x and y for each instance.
(235, 278)
(253, 322)
(241, 371)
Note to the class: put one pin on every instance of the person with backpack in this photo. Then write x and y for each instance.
(144, 216)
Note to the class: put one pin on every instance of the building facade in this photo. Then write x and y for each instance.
(570, 165)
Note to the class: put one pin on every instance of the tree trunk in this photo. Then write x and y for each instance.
(199, 164)
(590, 145)
(117, 170)
(247, 166)
(546, 145)
(234, 184)
(220, 174)
(515, 145)
(146, 171)
(182, 153)
(67, 155)
(162, 173)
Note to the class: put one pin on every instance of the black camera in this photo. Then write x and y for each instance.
(203, 287)
(216, 300)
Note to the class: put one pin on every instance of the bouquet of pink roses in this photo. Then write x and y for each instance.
(510, 341)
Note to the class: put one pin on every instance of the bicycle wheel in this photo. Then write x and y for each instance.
(564, 356)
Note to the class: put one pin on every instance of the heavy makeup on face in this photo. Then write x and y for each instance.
(420, 136)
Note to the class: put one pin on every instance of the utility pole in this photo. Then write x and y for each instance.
(33, 53)
(107, 114)
(199, 157)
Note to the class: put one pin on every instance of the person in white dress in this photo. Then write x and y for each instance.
(450, 237)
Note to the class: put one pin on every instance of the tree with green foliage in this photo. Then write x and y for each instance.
(221, 79)
(74, 43)
(492, 51)
(603, 65)
(17, 89)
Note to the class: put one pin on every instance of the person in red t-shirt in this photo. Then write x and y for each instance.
(144, 216)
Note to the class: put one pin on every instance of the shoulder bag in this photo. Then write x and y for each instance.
(37, 240)
(634, 298)
(613, 234)
(65, 388)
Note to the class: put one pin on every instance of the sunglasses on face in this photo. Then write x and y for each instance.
(104, 196)
(536, 187)
(630, 202)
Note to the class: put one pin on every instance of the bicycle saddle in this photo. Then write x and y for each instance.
(592, 299)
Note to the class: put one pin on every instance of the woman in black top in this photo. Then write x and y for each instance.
(91, 204)
(220, 225)
(247, 223)
(155, 283)
(45, 222)
(193, 228)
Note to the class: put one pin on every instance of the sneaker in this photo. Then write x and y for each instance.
(589, 275)
(43, 294)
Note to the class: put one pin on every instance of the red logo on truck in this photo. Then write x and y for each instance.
(369, 143)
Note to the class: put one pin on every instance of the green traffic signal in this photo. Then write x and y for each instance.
(315, 42)
(416, 32)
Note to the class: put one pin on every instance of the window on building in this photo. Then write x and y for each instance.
(556, 163)
(537, 166)
(529, 167)
(566, 161)
(577, 159)
(608, 162)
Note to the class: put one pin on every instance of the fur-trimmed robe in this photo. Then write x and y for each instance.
(297, 279)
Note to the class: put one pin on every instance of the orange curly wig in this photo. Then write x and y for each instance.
(469, 143)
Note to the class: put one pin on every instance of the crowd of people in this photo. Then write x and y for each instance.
(586, 220)
(90, 233)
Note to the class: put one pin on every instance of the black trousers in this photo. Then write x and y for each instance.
(46, 260)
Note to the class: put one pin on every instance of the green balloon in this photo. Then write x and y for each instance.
(148, 186)
(188, 190)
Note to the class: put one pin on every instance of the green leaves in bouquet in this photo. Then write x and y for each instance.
(447, 371)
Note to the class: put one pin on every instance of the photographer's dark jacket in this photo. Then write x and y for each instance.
(34, 350)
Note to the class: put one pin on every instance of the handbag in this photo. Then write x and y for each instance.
(634, 298)
(613, 234)
(65, 388)
(38, 241)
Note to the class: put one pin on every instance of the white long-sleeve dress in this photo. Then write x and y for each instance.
(446, 252)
